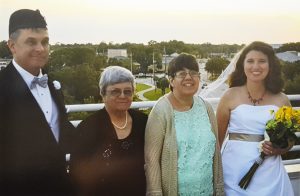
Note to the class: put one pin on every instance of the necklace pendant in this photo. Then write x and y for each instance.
(255, 101)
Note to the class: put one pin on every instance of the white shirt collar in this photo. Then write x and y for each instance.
(28, 77)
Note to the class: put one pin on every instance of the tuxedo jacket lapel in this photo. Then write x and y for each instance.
(25, 103)
(57, 97)
(30, 158)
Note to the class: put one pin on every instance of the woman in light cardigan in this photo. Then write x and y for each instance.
(182, 155)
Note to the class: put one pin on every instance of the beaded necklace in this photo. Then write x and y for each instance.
(255, 101)
(121, 127)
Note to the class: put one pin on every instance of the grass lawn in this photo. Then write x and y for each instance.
(141, 87)
(154, 94)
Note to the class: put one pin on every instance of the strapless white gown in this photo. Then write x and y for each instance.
(270, 179)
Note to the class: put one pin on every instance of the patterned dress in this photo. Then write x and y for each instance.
(196, 147)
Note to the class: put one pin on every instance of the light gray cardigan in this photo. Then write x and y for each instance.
(161, 151)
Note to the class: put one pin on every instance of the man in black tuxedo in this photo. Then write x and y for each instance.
(34, 130)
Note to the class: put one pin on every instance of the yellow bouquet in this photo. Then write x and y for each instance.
(283, 126)
(281, 130)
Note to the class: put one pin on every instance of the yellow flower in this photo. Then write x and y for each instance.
(280, 114)
(296, 114)
(286, 116)
(288, 113)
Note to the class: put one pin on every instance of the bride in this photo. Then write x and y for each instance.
(255, 87)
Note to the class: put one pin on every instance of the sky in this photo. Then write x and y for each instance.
(139, 21)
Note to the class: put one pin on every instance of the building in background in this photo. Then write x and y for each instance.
(117, 53)
(289, 56)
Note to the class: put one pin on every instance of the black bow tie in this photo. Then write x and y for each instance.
(42, 81)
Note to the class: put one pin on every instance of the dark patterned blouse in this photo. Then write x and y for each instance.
(105, 165)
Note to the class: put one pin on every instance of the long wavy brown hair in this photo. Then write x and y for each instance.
(273, 82)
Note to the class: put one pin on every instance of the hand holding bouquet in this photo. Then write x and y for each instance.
(281, 130)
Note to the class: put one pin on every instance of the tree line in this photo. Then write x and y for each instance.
(78, 66)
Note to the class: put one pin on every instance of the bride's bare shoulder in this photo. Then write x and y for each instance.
(281, 99)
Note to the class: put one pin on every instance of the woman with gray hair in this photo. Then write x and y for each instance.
(109, 159)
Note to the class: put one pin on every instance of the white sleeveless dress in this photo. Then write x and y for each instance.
(270, 179)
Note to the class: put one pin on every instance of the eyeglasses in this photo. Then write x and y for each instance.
(183, 74)
(117, 92)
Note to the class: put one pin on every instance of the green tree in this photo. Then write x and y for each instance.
(83, 55)
(100, 62)
(216, 65)
(102, 48)
(162, 83)
(176, 46)
(156, 51)
(59, 58)
(142, 55)
(65, 77)
(71, 57)
(293, 87)
(120, 62)
(78, 66)
(290, 70)
(291, 73)
(289, 47)
(85, 82)
(78, 83)
(4, 50)
(158, 60)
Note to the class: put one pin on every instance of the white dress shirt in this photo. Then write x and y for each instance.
(43, 98)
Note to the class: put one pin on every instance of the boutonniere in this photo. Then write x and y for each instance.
(56, 84)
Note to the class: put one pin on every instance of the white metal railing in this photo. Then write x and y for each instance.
(142, 104)
(150, 104)
(98, 106)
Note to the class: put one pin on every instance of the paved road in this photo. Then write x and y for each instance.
(147, 81)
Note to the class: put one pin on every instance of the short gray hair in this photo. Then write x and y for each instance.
(114, 75)
(14, 35)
